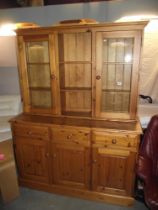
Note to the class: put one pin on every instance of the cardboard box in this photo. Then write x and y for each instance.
(8, 177)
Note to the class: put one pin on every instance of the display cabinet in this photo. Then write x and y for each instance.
(79, 134)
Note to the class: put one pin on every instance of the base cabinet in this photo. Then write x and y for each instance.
(71, 160)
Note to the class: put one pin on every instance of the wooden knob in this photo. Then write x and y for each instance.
(69, 136)
(94, 161)
(53, 76)
(47, 154)
(98, 77)
(29, 132)
(114, 141)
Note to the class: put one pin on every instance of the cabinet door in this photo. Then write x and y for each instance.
(75, 64)
(32, 158)
(113, 167)
(117, 65)
(38, 73)
(70, 159)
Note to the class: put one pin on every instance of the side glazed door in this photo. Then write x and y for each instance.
(38, 73)
(117, 66)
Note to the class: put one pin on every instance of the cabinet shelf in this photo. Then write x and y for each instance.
(116, 90)
(40, 88)
(83, 113)
(75, 62)
(73, 89)
(38, 63)
(117, 63)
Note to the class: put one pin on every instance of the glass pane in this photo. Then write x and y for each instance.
(75, 75)
(116, 74)
(37, 52)
(113, 101)
(39, 75)
(75, 46)
(41, 99)
(118, 50)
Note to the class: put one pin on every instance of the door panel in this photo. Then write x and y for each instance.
(71, 165)
(32, 157)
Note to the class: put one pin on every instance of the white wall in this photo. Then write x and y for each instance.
(9, 82)
(149, 70)
(103, 11)
(48, 15)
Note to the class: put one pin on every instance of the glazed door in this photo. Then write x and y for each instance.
(117, 65)
(38, 74)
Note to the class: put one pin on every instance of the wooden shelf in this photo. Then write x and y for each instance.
(73, 89)
(75, 62)
(116, 90)
(37, 63)
(81, 113)
(40, 88)
(115, 63)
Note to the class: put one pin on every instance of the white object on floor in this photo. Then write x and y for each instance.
(145, 113)
(10, 106)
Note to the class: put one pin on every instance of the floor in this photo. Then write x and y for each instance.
(38, 200)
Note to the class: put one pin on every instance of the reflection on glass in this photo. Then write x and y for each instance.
(39, 75)
(118, 49)
(37, 52)
(128, 58)
(41, 99)
(38, 68)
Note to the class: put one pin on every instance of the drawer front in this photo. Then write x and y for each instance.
(115, 139)
(74, 136)
(39, 132)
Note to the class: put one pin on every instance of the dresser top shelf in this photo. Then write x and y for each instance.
(126, 125)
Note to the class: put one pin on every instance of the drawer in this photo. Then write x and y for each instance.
(60, 135)
(39, 132)
(115, 139)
